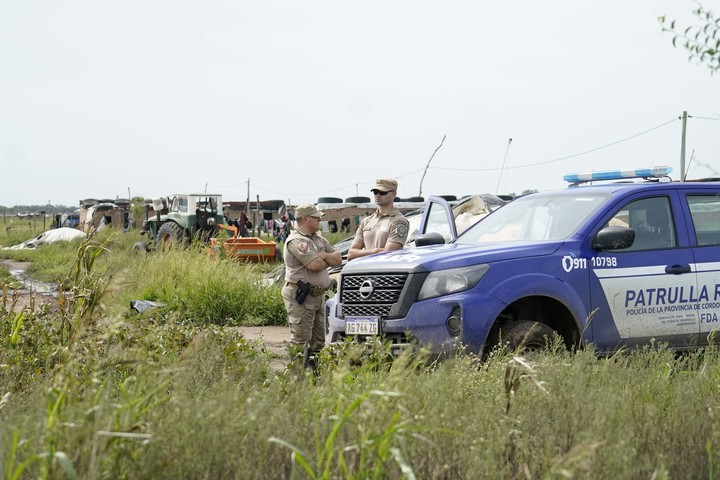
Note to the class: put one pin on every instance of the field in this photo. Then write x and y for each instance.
(89, 389)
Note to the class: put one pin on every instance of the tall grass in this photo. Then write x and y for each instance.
(195, 287)
(173, 393)
(213, 409)
(202, 290)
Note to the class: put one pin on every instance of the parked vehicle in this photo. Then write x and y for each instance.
(613, 265)
(180, 218)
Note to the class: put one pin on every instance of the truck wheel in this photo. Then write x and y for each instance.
(139, 248)
(358, 200)
(329, 200)
(169, 235)
(523, 336)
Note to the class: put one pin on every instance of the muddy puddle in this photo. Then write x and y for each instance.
(30, 288)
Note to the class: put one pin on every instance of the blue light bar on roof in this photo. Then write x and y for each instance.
(655, 172)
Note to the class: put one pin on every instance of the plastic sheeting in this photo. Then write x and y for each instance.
(63, 234)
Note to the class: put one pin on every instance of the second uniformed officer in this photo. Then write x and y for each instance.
(307, 255)
(384, 230)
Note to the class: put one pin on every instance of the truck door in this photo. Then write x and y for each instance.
(703, 211)
(438, 217)
(649, 290)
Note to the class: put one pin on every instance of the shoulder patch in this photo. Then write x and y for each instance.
(303, 247)
(402, 230)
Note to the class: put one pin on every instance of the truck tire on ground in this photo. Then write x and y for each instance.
(329, 200)
(523, 336)
(140, 248)
(169, 235)
(357, 200)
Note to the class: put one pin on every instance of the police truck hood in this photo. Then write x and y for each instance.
(439, 257)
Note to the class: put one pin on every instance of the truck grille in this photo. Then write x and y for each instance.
(370, 295)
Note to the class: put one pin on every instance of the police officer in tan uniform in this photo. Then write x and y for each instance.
(307, 255)
(386, 229)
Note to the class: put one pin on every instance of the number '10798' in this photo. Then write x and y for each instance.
(603, 261)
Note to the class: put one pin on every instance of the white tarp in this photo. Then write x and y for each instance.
(64, 234)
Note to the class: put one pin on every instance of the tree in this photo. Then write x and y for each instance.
(702, 41)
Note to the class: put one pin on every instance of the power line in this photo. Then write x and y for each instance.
(561, 158)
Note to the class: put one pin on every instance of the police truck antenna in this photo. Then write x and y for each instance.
(428, 165)
(507, 149)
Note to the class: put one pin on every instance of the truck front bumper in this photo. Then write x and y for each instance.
(443, 324)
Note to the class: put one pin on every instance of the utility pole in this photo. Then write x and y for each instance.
(428, 165)
(246, 214)
(682, 146)
(507, 149)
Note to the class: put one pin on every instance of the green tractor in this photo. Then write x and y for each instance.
(179, 219)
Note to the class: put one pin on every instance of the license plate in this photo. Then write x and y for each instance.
(361, 325)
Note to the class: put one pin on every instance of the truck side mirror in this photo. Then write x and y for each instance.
(431, 238)
(613, 238)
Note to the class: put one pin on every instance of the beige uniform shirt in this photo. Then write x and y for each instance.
(301, 249)
(376, 230)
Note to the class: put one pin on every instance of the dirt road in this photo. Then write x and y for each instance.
(273, 337)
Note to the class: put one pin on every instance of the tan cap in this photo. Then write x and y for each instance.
(385, 185)
(307, 210)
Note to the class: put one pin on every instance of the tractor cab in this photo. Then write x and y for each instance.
(181, 218)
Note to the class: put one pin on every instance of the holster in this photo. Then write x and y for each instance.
(303, 290)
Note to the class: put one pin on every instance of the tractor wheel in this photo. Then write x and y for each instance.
(170, 234)
(522, 336)
(140, 249)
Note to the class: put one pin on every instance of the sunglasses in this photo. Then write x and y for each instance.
(380, 192)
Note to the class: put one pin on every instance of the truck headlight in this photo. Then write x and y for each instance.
(444, 282)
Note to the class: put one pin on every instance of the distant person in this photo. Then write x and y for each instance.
(307, 256)
(386, 229)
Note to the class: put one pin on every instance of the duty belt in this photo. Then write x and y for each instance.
(314, 291)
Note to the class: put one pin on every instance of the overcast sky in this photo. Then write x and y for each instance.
(307, 99)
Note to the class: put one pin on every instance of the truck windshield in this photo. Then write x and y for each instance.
(534, 218)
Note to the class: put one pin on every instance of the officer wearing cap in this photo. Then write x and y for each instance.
(307, 255)
(386, 229)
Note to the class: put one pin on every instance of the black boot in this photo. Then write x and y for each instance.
(310, 359)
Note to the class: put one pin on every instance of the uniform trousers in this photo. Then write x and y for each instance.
(307, 321)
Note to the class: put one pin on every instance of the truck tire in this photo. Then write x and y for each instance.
(329, 200)
(169, 235)
(357, 200)
(523, 336)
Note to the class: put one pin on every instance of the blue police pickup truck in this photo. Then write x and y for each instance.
(614, 265)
